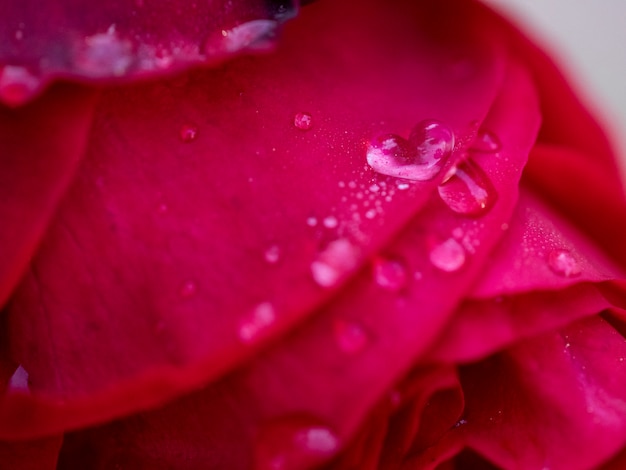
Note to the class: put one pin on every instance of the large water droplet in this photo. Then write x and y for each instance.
(434, 142)
(294, 443)
(390, 274)
(303, 121)
(563, 263)
(486, 141)
(188, 133)
(419, 158)
(19, 380)
(257, 322)
(17, 85)
(350, 336)
(468, 190)
(448, 256)
(334, 263)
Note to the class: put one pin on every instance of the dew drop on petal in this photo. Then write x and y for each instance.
(294, 443)
(350, 336)
(303, 121)
(486, 141)
(103, 55)
(434, 142)
(188, 289)
(19, 380)
(17, 85)
(419, 158)
(262, 317)
(272, 254)
(253, 35)
(334, 263)
(468, 190)
(390, 274)
(188, 133)
(563, 263)
(448, 256)
(330, 221)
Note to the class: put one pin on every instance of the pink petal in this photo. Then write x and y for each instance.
(154, 277)
(309, 378)
(530, 406)
(41, 146)
(127, 40)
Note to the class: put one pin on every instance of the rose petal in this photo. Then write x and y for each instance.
(41, 146)
(311, 375)
(165, 281)
(126, 40)
(529, 406)
(41, 454)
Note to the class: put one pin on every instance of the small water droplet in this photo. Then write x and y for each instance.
(188, 133)
(294, 443)
(390, 274)
(311, 221)
(17, 85)
(188, 289)
(350, 336)
(563, 263)
(370, 214)
(486, 141)
(259, 320)
(272, 254)
(303, 121)
(330, 221)
(449, 256)
(419, 158)
(19, 380)
(334, 263)
(468, 190)
(104, 55)
(255, 35)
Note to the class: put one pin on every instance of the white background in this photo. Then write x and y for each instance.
(588, 39)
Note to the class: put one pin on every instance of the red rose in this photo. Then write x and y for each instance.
(394, 240)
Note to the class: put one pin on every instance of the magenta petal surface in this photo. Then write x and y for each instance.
(40, 148)
(326, 380)
(183, 255)
(125, 39)
(529, 406)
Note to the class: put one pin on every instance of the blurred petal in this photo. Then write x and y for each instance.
(40, 147)
(128, 39)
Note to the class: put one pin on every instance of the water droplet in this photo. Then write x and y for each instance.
(188, 289)
(468, 190)
(259, 320)
(19, 380)
(563, 263)
(350, 336)
(486, 141)
(330, 221)
(272, 254)
(253, 35)
(188, 133)
(334, 263)
(303, 121)
(448, 256)
(294, 443)
(104, 55)
(434, 142)
(370, 214)
(17, 85)
(311, 221)
(419, 158)
(390, 274)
